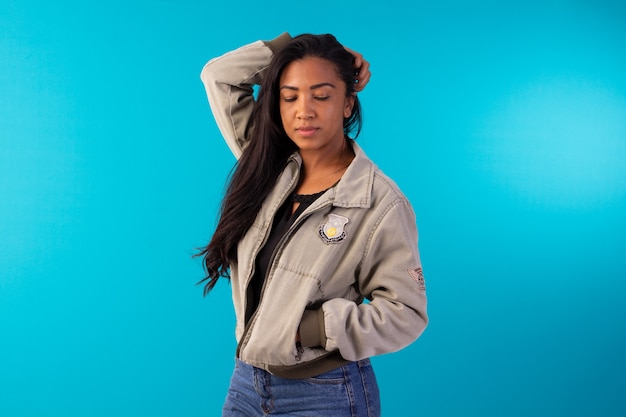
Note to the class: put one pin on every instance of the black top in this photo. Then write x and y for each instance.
(282, 222)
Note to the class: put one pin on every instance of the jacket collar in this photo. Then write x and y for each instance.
(355, 187)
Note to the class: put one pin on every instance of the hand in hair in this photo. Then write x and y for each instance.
(361, 70)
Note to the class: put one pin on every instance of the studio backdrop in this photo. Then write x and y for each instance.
(503, 122)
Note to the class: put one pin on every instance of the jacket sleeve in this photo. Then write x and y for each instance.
(229, 81)
(391, 278)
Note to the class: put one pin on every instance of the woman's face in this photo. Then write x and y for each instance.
(313, 105)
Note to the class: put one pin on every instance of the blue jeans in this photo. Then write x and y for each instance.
(348, 391)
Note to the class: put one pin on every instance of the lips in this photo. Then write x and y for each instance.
(307, 130)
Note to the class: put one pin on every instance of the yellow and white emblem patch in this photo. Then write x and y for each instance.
(334, 230)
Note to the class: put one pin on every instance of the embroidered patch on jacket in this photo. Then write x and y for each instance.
(418, 276)
(334, 230)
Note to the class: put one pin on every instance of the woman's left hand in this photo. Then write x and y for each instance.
(362, 72)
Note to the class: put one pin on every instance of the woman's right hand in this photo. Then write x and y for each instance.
(362, 72)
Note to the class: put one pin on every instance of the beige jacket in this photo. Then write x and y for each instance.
(347, 274)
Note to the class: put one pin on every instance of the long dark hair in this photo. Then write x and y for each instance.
(268, 150)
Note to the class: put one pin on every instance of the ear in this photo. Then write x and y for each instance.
(348, 105)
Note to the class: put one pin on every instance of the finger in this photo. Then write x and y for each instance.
(364, 67)
(362, 82)
(363, 76)
(358, 58)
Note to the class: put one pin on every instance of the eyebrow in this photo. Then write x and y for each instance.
(313, 87)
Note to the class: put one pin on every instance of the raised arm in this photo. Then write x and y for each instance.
(229, 81)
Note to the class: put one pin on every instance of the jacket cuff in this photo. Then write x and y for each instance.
(278, 43)
(312, 330)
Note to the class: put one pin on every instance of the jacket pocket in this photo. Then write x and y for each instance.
(272, 338)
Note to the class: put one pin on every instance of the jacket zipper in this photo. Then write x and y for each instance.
(246, 329)
(281, 242)
(300, 351)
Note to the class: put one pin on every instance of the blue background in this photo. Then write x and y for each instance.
(504, 123)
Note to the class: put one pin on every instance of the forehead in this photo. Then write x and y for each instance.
(310, 71)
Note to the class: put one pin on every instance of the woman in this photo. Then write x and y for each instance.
(320, 246)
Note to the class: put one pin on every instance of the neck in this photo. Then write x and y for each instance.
(324, 160)
(321, 170)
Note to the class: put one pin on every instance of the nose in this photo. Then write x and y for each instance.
(305, 109)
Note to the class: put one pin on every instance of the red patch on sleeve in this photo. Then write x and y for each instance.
(418, 276)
